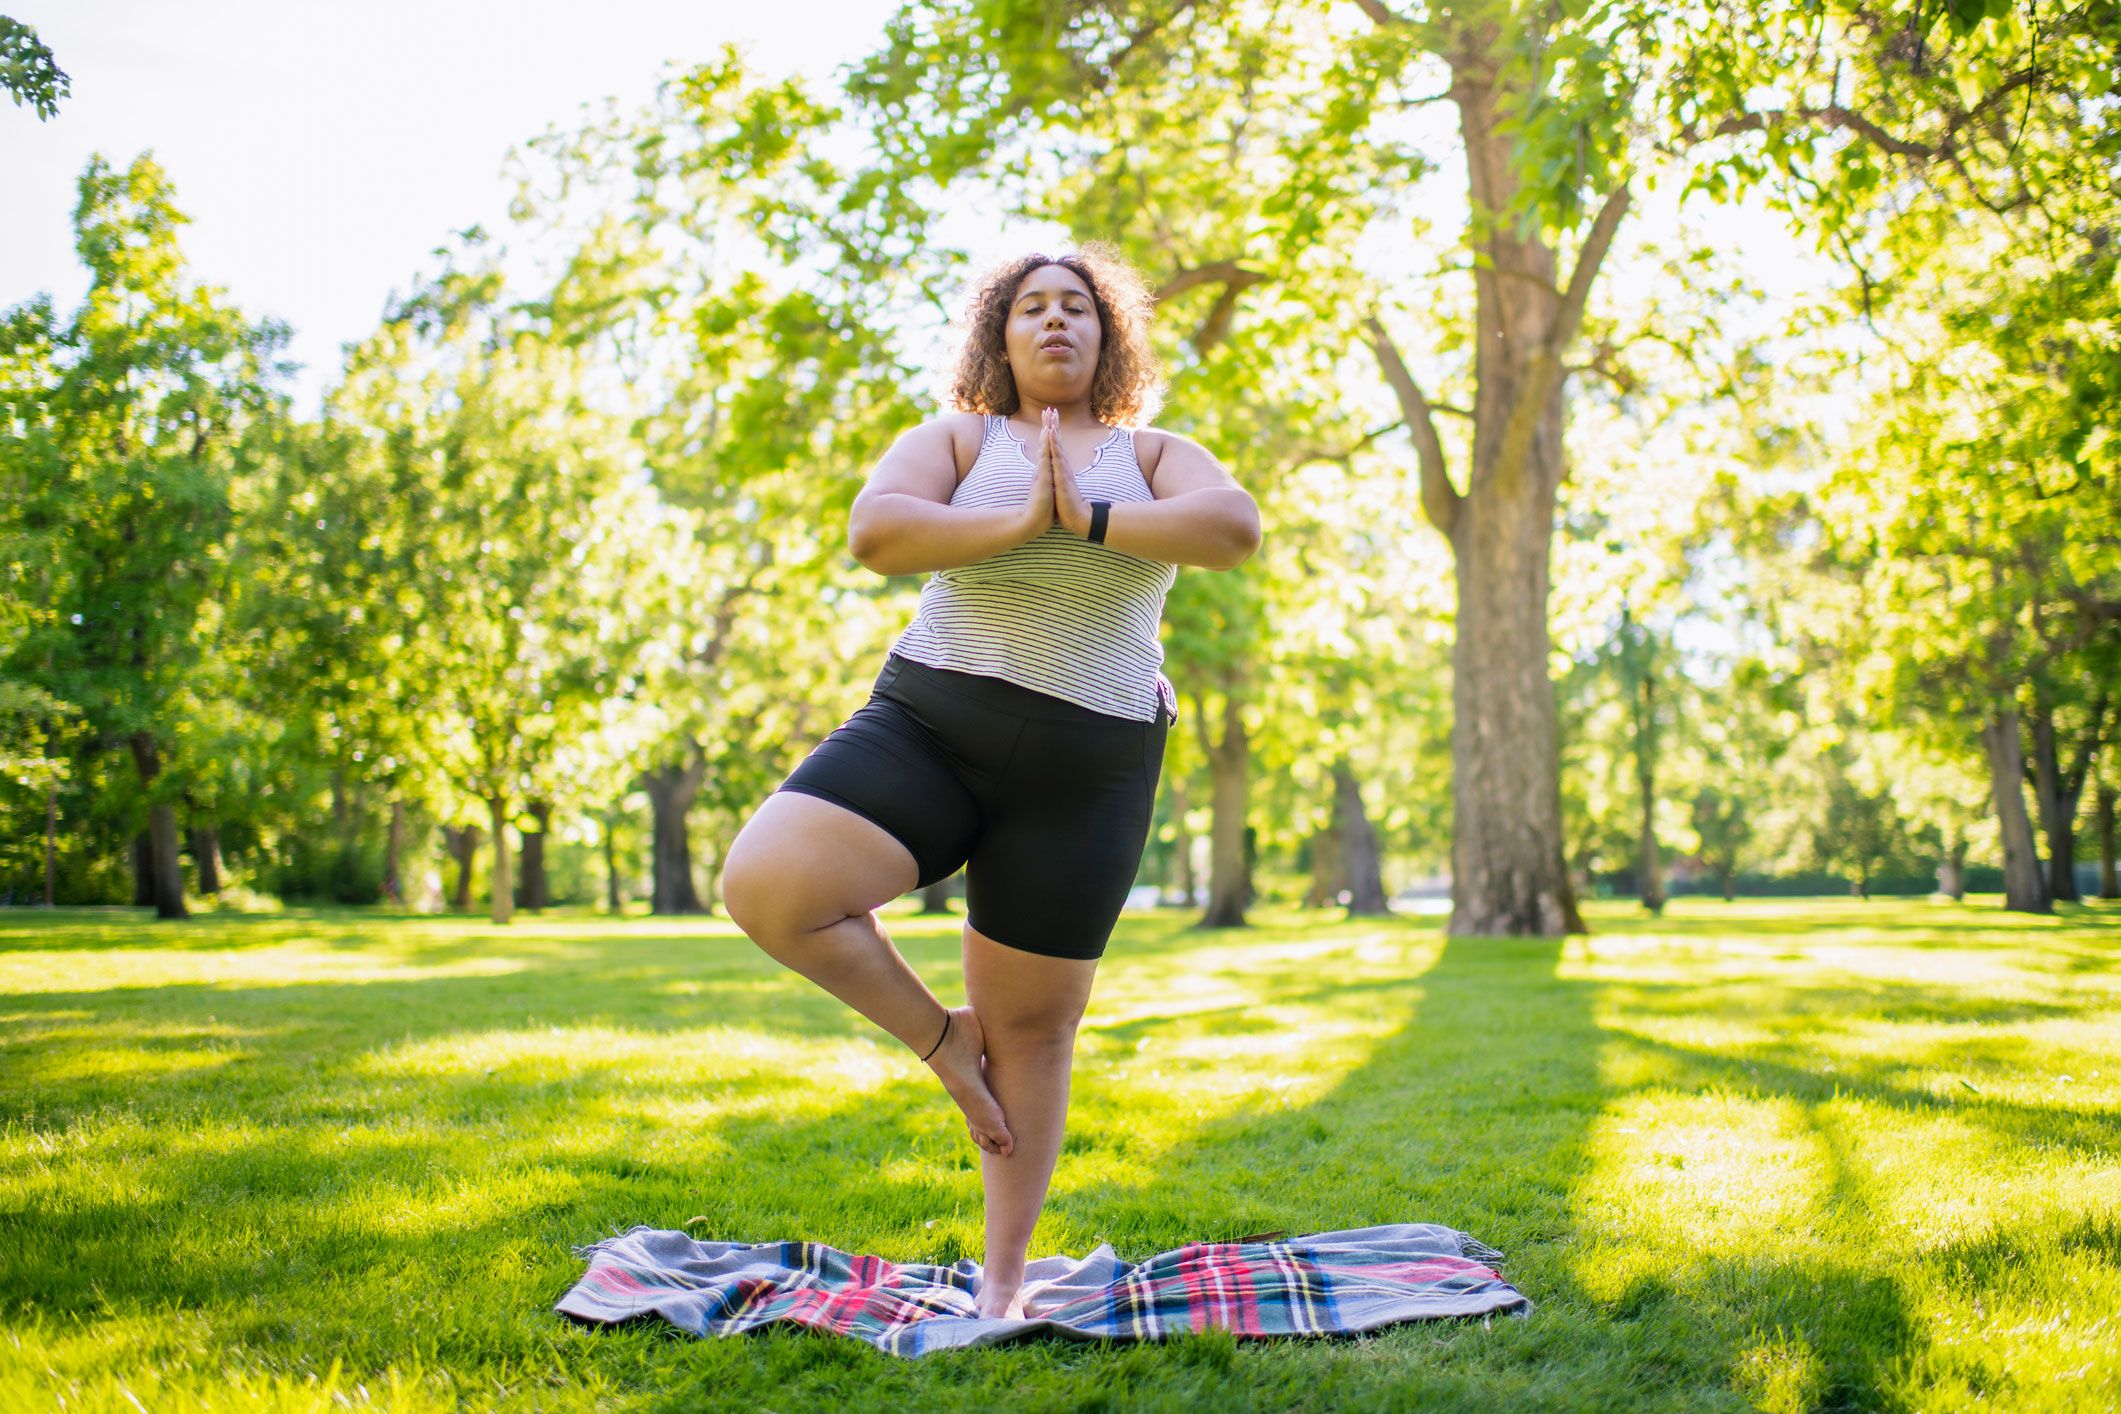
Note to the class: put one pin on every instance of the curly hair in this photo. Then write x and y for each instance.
(1128, 387)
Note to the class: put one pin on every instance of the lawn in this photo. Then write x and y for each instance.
(1788, 1154)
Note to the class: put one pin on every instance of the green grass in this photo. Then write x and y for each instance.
(1782, 1154)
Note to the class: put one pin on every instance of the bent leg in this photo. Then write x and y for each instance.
(803, 879)
(1029, 1006)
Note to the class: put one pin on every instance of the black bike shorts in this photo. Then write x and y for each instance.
(1043, 803)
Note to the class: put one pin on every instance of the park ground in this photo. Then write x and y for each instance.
(1788, 1155)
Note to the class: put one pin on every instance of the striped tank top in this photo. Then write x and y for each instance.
(1056, 614)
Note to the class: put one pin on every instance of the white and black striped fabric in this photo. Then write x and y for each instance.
(1056, 614)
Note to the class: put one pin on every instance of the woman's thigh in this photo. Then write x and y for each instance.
(1062, 840)
(801, 863)
(885, 765)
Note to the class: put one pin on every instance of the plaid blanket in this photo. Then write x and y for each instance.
(1326, 1283)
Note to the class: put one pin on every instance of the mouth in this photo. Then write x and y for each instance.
(1055, 346)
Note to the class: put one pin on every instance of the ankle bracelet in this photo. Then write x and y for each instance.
(939, 1040)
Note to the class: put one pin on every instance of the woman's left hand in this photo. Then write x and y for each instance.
(1070, 509)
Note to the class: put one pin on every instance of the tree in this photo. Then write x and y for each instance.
(160, 393)
(1559, 109)
(1859, 831)
(751, 296)
(540, 564)
(1980, 507)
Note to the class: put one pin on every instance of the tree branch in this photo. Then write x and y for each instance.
(1377, 12)
(2087, 747)
(1235, 280)
(1217, 272)
(1543, 373)
(1836, 115)
(1439, 498)
(1100, 76)
(1306, 454)
(1569, 318)
(1831, 115)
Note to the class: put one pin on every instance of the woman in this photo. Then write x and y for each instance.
(1017, 728)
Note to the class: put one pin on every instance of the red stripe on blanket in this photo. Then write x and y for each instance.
(615, 1279)
(1217, 1281)
(841, 1311)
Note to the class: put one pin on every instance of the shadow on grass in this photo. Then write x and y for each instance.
(1477, 1113)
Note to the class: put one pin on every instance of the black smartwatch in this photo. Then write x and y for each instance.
(1099, 510)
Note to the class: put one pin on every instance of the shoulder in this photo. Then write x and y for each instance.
(968, 434)
(964, 433)
(1180, 457)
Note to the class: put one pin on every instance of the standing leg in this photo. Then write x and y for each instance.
(1029, 1006)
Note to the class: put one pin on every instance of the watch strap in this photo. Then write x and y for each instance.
(1100, 511)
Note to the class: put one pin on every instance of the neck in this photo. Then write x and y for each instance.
(1071, 413)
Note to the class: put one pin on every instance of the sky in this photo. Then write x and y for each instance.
(322, 152)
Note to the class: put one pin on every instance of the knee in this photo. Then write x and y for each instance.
(748, 890)
(1034, 1025)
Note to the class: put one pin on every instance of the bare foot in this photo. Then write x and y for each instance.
(999, 1302)
(961, 1065)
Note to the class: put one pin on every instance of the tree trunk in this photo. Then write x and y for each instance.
(2058, 812)
(2109, 886)
(206, 857)
(1359, 853)
(936, 897)
(1181, 846)
(1329, 874)
(1507, 875)
(711, 873)
(2024, 887)
(1508, 871)
(143, 870)
(463, 844)
(501, 888)
(1229, 788)
(165, 864)
(1951, 875)
(1646, 859)
(670, 793)
(1648, 864)
(613, 899)
(51, 844)
(393, 854)
(1728, 876)
(537, 894)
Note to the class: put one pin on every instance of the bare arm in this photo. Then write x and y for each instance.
(902, 522)
(1200, 516)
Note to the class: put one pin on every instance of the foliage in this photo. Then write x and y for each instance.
(27, 70)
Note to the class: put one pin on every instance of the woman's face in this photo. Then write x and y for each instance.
(1052, 337)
